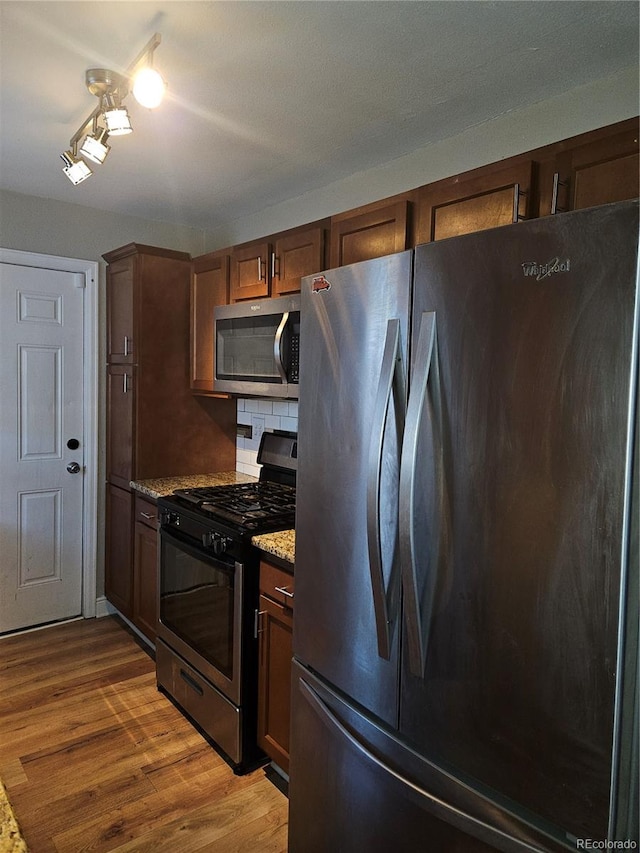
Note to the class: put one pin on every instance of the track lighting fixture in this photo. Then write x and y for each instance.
(111, 88)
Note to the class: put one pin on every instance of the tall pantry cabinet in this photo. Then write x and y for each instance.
(156, 427)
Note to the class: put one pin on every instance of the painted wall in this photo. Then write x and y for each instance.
(588, 107)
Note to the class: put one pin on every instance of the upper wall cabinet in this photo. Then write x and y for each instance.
(296, 254)
(250, 264)
(274, 266)
(591, 169)
(371, 231)
(209, 288)
(484, 198)
(120, 313)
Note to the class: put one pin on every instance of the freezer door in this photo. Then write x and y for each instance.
(353, 363)
(520, 507)
(355, 788)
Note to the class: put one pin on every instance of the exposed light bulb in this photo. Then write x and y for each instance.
(148, 88)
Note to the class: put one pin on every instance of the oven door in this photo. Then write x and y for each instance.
(201, 611)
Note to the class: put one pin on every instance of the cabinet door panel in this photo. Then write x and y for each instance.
(274, 696)
(120, 322)
(601, 183)
(209, 287)
(295, 256)
(369, 234)
(117, 576)
(145, 579)
(486, 199)
(599, 167)
(249, 272)
(120, 425)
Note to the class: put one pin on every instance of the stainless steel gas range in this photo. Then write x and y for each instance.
(207, 647)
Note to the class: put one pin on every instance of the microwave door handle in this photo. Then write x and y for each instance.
(420, 587)
(277, 348)
(391, 384)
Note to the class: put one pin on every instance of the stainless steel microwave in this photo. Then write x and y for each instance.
(257, 347)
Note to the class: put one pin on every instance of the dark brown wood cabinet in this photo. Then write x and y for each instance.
(485, 198)
(275, 650)
(118, 585)
(377, 229)
(595, 168)
(295, 255)
(120, 432)
(145, 566)
(274, 265)
(250, 271)
(209, 288)
(120, 324)
(155, 426)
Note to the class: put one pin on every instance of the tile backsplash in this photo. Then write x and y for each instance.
(260, 415)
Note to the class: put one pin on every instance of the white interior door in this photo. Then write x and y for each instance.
(41, 445)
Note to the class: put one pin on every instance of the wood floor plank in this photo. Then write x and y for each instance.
(216, 820)
(96, 759)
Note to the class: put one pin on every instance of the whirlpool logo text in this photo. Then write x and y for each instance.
(531, 269)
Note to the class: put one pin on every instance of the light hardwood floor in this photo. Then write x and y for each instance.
(95, 759)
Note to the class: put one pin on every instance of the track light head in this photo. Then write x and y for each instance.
(117, 121)
(75, 168)
(95, 145)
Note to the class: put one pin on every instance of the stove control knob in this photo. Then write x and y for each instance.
(219, 544)
(168, 518)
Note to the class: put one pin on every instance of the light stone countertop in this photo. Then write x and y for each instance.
(160, 486)
(281, 544)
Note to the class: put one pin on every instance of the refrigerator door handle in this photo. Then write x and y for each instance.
(386, 596)
(476, 827)
(418, 587)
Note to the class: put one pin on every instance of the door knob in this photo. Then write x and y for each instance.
(73, 468)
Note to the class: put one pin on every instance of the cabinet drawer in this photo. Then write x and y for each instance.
(277, 584)
(146, 511)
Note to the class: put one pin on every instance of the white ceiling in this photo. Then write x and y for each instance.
(268, 100)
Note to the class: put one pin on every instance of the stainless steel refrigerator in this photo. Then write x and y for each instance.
(466, 627)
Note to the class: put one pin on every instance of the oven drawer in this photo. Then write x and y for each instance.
(277, 584)
(219, 718)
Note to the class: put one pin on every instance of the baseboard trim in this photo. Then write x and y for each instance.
(104, 607)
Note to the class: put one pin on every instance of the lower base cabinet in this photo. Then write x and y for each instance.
(145, 567)
(117, 579)
(275, 632)
(131, 567)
